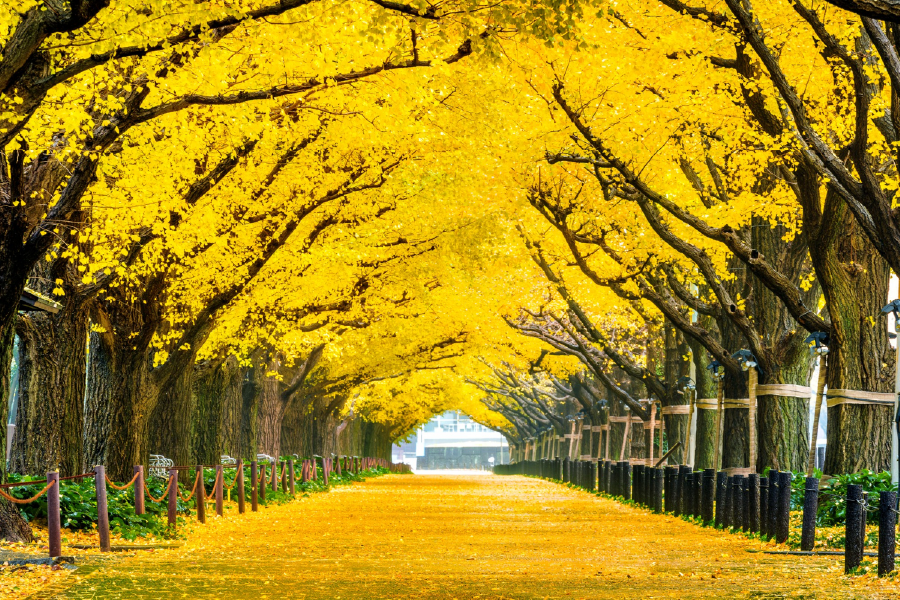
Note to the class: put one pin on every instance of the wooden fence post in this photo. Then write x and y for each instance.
(173, 497)
(200, 495)
(240, 487)
(254, 504)
(54, 533)
(139, 490)
(265, 482)
(102, 509)
(284, 477)
(220, 477)
(291, 475)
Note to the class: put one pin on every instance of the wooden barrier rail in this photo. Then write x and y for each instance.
(171, 495)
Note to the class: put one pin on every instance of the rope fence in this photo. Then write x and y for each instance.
(171, 494)
(729, 499)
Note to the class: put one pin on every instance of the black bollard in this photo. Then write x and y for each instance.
(721, 480)
(784, 507)
(737, 516)
(698, 493)
(810, 507)
(626, 480)
(566, 470)
(856, 522)
(695, 494)
(887, 532)
(669, 478)
(764, 507)
(658, 481)
(679, 489)
(745, 504)
(728, 517)
(638, 483)
(774, 486)
(592, 477)
(753, 482)
(707, 495)
(687, 489)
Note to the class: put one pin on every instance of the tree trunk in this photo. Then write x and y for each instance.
(12, 526)
(50, 413)
(134, 397)
(100, 373)
(271, 412)
(170, 423)
(855, 280)
(705, 435)
(251, 389)
(216, 420)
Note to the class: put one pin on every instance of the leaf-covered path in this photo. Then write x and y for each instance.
(465, 537)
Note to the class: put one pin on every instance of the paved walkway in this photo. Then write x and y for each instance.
(427, 536)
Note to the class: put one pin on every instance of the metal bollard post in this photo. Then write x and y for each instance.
(626, 480)
(784, 507)
(139, 491)
(240, 487)
(173, 498)
(102, 509)
(753, 482)
(291, 476)
(764, 507)
(200, 495)
(810, 507)
(707, 495)
(54, 533)
(856, 522)
(887, 532)
(220, 486)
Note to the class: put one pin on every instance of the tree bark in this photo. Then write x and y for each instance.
(50, 414)
(216, 420)
(12, 526)
(170, 423)
(100, 373)
(855, 281)
(271, 412)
